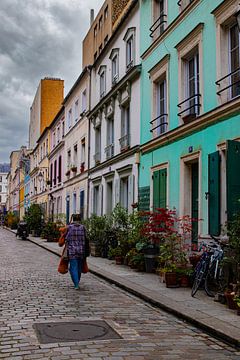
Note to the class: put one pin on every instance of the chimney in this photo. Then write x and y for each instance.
(91, 16)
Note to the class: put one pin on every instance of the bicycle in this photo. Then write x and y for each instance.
(201, 268)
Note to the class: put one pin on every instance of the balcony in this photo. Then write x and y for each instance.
(158, 26)
(159, 125)
(124, 142)
(109, 150)
(190, 108)
(230, 82)
(97, 157)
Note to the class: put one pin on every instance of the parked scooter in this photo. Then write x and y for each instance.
(22, 230)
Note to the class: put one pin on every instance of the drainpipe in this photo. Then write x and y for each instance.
(89, 137)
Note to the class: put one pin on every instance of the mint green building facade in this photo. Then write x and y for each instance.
(190, 111)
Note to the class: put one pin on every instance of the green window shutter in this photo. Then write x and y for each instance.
(159, 189)
(233, 178)
(214, 193)
(144, 198)
(163, 188)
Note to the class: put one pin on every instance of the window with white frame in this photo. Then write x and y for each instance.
(129, 39)
(47, 147)
(97, 156)
(190, 75)
(234, 60)
(96, 199)
(58, 134)
(54, 139)
(161, 107)
(110, 138)
(68, 159)
(84, 100)
(114, 57)
(125, 128)
(63, 128)
(159, 17)
(102, 81)
(124, 192)
(75, 155)
(69, 118)
(74, 204)
(83, 153)
(109, 197)
(76, 111)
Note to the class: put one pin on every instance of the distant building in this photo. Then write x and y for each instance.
(3, 189)
(45, 106)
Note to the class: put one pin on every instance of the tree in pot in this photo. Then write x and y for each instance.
(34, 218)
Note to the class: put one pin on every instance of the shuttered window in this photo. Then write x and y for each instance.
(214, 193)
(233, 178)
(160, 189)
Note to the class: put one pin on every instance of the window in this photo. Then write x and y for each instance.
(234, 61)
(100, 22)
(63, 128)
(106, 13)
(74, 205)
(159, 189)
(102, 80)
(75, 155)
(190, 75)
(76, 111)
(97, 155)
(125, 125)
(159, 18)
(0, 188)
(114, 57)
(109, 197)
(83, 153)
(55, 173)
(47, 147)
(0, 178)
(82, 203)
(96, 196)
(84, 100)
(58, 134)
(129, 38)
(41, 152)
(110, 138)
(95, 31)
(68, 159)
(60, 169)
(54, 139)
(69, 118)
(159, 76)
(51, 174)
(44, 149)
(124, 192)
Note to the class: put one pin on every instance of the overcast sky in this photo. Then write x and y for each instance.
(38, 38)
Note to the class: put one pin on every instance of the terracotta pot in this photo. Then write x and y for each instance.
(171, 280)
(231, 303)
(119, 260)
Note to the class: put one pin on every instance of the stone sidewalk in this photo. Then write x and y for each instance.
(201, 310)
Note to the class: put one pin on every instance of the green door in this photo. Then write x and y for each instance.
(194, 201)
(214, 193)
(160, 189)
(233, 178)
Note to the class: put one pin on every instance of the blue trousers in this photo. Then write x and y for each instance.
(75, 270)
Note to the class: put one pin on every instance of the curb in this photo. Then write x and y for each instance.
(208, 329)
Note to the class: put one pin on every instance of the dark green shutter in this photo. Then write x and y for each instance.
(214, 193)
(159, 189)
(233, 178)
(144, 198)
(163, 188)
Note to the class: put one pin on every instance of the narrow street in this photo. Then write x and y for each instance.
(31, 291)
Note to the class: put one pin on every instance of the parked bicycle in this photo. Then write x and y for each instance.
(209, 271)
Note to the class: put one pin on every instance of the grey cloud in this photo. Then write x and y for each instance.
(38, 38)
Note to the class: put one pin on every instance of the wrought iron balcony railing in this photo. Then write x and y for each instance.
(234, 79)
(124, 142)
(190, 107)
(109, 150)
(159, 25)
(159, 124)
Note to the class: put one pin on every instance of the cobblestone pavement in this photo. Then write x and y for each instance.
(31, 291)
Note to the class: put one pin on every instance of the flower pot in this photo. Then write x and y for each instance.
(230, 302)
(119, 260)
(171, 279)
(150, 255)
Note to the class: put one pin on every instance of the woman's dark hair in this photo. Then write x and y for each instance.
(76, 217)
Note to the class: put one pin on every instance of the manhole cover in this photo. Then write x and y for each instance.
(74, 331)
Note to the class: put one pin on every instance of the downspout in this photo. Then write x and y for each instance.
(89, 138)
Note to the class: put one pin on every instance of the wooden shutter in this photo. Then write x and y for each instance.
(160, 189)
(214, 193)
(233, 178)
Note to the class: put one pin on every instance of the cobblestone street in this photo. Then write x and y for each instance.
(31, 291)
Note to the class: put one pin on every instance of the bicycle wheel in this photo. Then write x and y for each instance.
(199, 277)
(215, 283)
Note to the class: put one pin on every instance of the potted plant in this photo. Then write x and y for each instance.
(34, 219)
(171, 280)
(74, 168)
(117, 254)
(51, 232)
